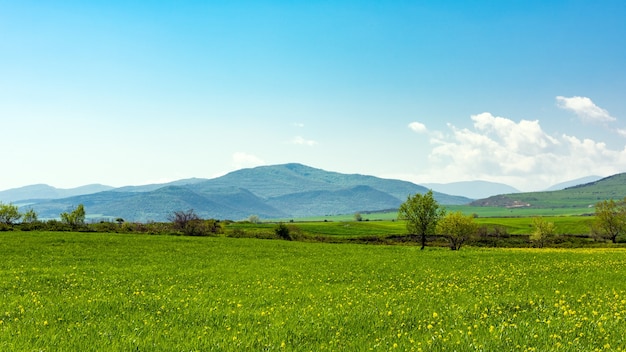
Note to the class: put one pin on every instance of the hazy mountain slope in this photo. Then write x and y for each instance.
(581, 196)
(573, 183)
(472, 189)
(159, 204)
(345, 201)
(42, 191)
(155, 186)
(290, 190)
(278, 180)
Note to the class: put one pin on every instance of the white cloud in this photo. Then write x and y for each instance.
(298, 124)
(301, 141)
(585, 109)
(517, 153)
(621, 132)
(243, 160)
(418, 127)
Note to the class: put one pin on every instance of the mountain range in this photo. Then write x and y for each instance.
(279, 191)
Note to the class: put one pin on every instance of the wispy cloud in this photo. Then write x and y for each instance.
(298, 140)
(242, 160)
(585, 109)
(418, 127)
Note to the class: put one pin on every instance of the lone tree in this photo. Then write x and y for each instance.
(75, 218)
(9, 214)
(457, 228)
(543, 231)
(255, 219)
(421, 213)
(610, 219)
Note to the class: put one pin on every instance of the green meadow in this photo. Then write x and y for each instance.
(384, 224)
(480, 211)
(66, 291)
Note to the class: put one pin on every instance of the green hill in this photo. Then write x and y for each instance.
(279, 180)
(580, 197)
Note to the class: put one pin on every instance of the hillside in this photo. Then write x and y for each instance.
(279, 191)
(279, 180)
(581, 196)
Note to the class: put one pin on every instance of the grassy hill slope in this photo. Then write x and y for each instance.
(582, 196)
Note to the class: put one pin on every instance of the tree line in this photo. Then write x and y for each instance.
(423, 216)
(185, 222)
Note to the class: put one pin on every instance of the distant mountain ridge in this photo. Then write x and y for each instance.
(472, 189)
(573, 183)
(43, 191)
(278, 191)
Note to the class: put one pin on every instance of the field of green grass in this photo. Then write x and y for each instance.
(345, 227)
(577, 225)
(482, 212)
(521, 211)
(87, 291)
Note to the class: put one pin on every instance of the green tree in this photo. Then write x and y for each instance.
(30, 216)
(421, 213)
(9, 214)
(457, 228)
(543, 231)
(75, 218)
(358, 217)
(610, 219)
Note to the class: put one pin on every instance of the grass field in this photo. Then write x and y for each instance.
(483, 212)
(87, 292)
(342, 227)
(579, 225)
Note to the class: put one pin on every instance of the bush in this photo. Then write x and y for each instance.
(55, 225)
(33, 226)
(104, 226)
(188, 223)
(282, 231)
(237, 233)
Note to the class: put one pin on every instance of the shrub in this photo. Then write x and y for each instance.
(104, 226)
(282, 231)
(33, 226)
(237, 233)
(55, 225)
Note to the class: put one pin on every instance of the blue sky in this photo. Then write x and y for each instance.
(528, 93)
